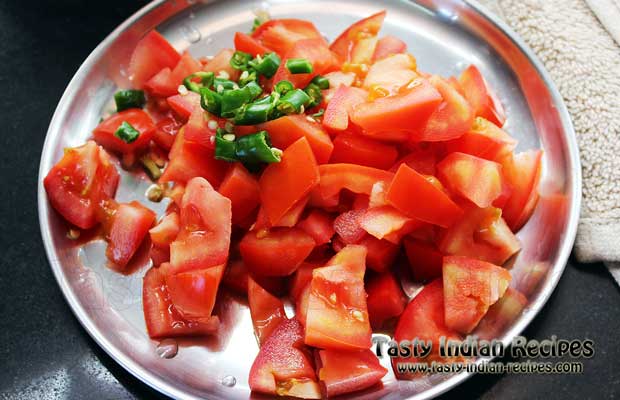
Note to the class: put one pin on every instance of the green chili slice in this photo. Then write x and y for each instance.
(266, 65)
(321, 81)
(256, 112)
(198, 80)
(224, 149)
(315, 94)
(240, 59)
(257, 148)
(232, 100)
(126, 132)
(210, 101)
(254, 89)
(293, 102)
(247, 77)
(283, 87)
(298, 66)
(125, 99)
(319, 113)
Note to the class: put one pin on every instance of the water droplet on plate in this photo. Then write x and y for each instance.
(191, 15)
(167, 348)
(192, 34)
(229, 381)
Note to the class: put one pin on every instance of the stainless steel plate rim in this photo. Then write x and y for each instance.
(165, 387)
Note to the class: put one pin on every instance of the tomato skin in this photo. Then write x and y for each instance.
(166, 230)
(337, 316)
(162, 319)
(280, 35)
(165, 133)
(243, 191)
(249, 45)
(470, 287)
(278, 253)
(130, 225)
(193, 293)
(345, 43)
(484, 140)
(387, 46)
(204, 239)
(385, 222)
(285, 131)
(348, 226)
(283, 184)
(341, 104)
(522, 172)
(319, 225)
(90, 178)
(184, 105)
(152, 53)
(141, 121)
(292, 216)
(385, 299)
(343, 372)
(267, 311)
(159, 255)
(390, 118)
(313, 50)
(284, 365)
(221, 62)
(357, 149)
(482, 98)
(356, 178)
(430, 205)
(381, 253)
(425, 259)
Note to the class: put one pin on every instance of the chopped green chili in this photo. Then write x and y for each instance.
(257, 148)
(298, 66)
(254, 89)
(315, 94)
(293, 102)
(205, 79)
(240, 60)
(266, 65)
(283, 87)
(232, 100)
(256, 112)
(247, 77)
(127, 133)
(319, 114)
(210, 100)
(125, 99)
(221, 84)
(257, 22)
(224, 149)
(321, 81)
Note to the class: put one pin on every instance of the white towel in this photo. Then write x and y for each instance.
(575, 41)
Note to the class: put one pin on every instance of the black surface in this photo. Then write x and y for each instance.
(45, 353)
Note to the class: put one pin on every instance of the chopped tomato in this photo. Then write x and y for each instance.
(500, 314)
(337, 316)
(425, 259)
(75, 185)
(476, 179)
(277, 252)
(386, 299)
(166, 230)
(284, 364)
(481, 97)
(484, 140)
(341, 104)
(470, 288)
(159, 255)
(356, 178)
(522, 172)
(197, 129)
(389, 75)
(387, 46)
(348, 226)
(381, 253)
(395, 118)
(285, 131)
(319, 225)
(193, 293)
(300, 279)
(281, 35)
(345, 44)
(387, 223)
(481, 233)
(204, 238)
(430, 204)
(267, 311)
(292, 216)
(343, 372)
(161, 84)
(165, 133)
(130, 225)
(162, 318)
(422, 158)
(283, 184)
(337, 78)
(313, 50)
(184, 105)
(221, 63)
(243, 191)
(152, 53)
(104, 133)
(249, 45)
(357, 149)
(236, 277)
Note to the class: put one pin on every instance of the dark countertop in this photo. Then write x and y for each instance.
(45, 353)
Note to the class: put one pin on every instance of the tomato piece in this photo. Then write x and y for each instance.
(337, 316)
(159, 255)
(190, 160)
(421, 158)
(301, 303)
(249, 45)
(130, 225)
(286, 130)
(484, 140)
(281, 35)
(522, 172)
(501, 314)
(348, 226)
(193, 293)
(161, 84)
(79, 181)
(430, 204)
(236, 278)
(387, 46)
(481, 233)
(386, 299)
(357, 149)
(162, 319)
(267, 311)
(482, 98)
(300, 279)
(387, 223)
(292, 216)
(319, 225)
(283, 184)
(341, 104)
(276, 253)
(425, 259)
(197, 129)
(184, 105)
(152, 53)
(165, 132)
(313, 50)
(423, 319)
(204, 238)
(395, 118)
(337, 78)
(470, 287)
(284, 364)
(343, 372)
(389, 75)
(221, 62)
(381, 253)
(243, 191)
(104, 133)
(345, 44)
(356, 178)
(474, 178)
(166, 230)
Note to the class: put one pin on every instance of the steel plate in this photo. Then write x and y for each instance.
(444, 35)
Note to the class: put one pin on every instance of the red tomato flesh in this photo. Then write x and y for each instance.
(386, 299)
(481, 97)
(319, 225)
(152, 54)
(267, 311)
(341, 104)
(140, 120)
(343, 372)
(425, 259)
(130, 225)
(243, 191)
(357, 149)
(166, 230)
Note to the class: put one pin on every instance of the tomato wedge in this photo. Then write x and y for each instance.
(243, 191)
(345, 44)
(356, 178)
(104, 133)
(357, 149)
(386, 299)
(166, 230)
(341, 104)
(348, 226)
(425, 259)
(319, 225)
(221, 62)
(129, 226)
(280, 35)
(267, 311)
(500, 314)
(343, 372)
(249, 45)
(481, 97)
(522, 171)
(184, 105)
(389, 75)
(313, 50)
(387, 46)
(387, 223)
(380, 253)
(152, 53)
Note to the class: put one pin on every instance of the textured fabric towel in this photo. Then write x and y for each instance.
(575, 41)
